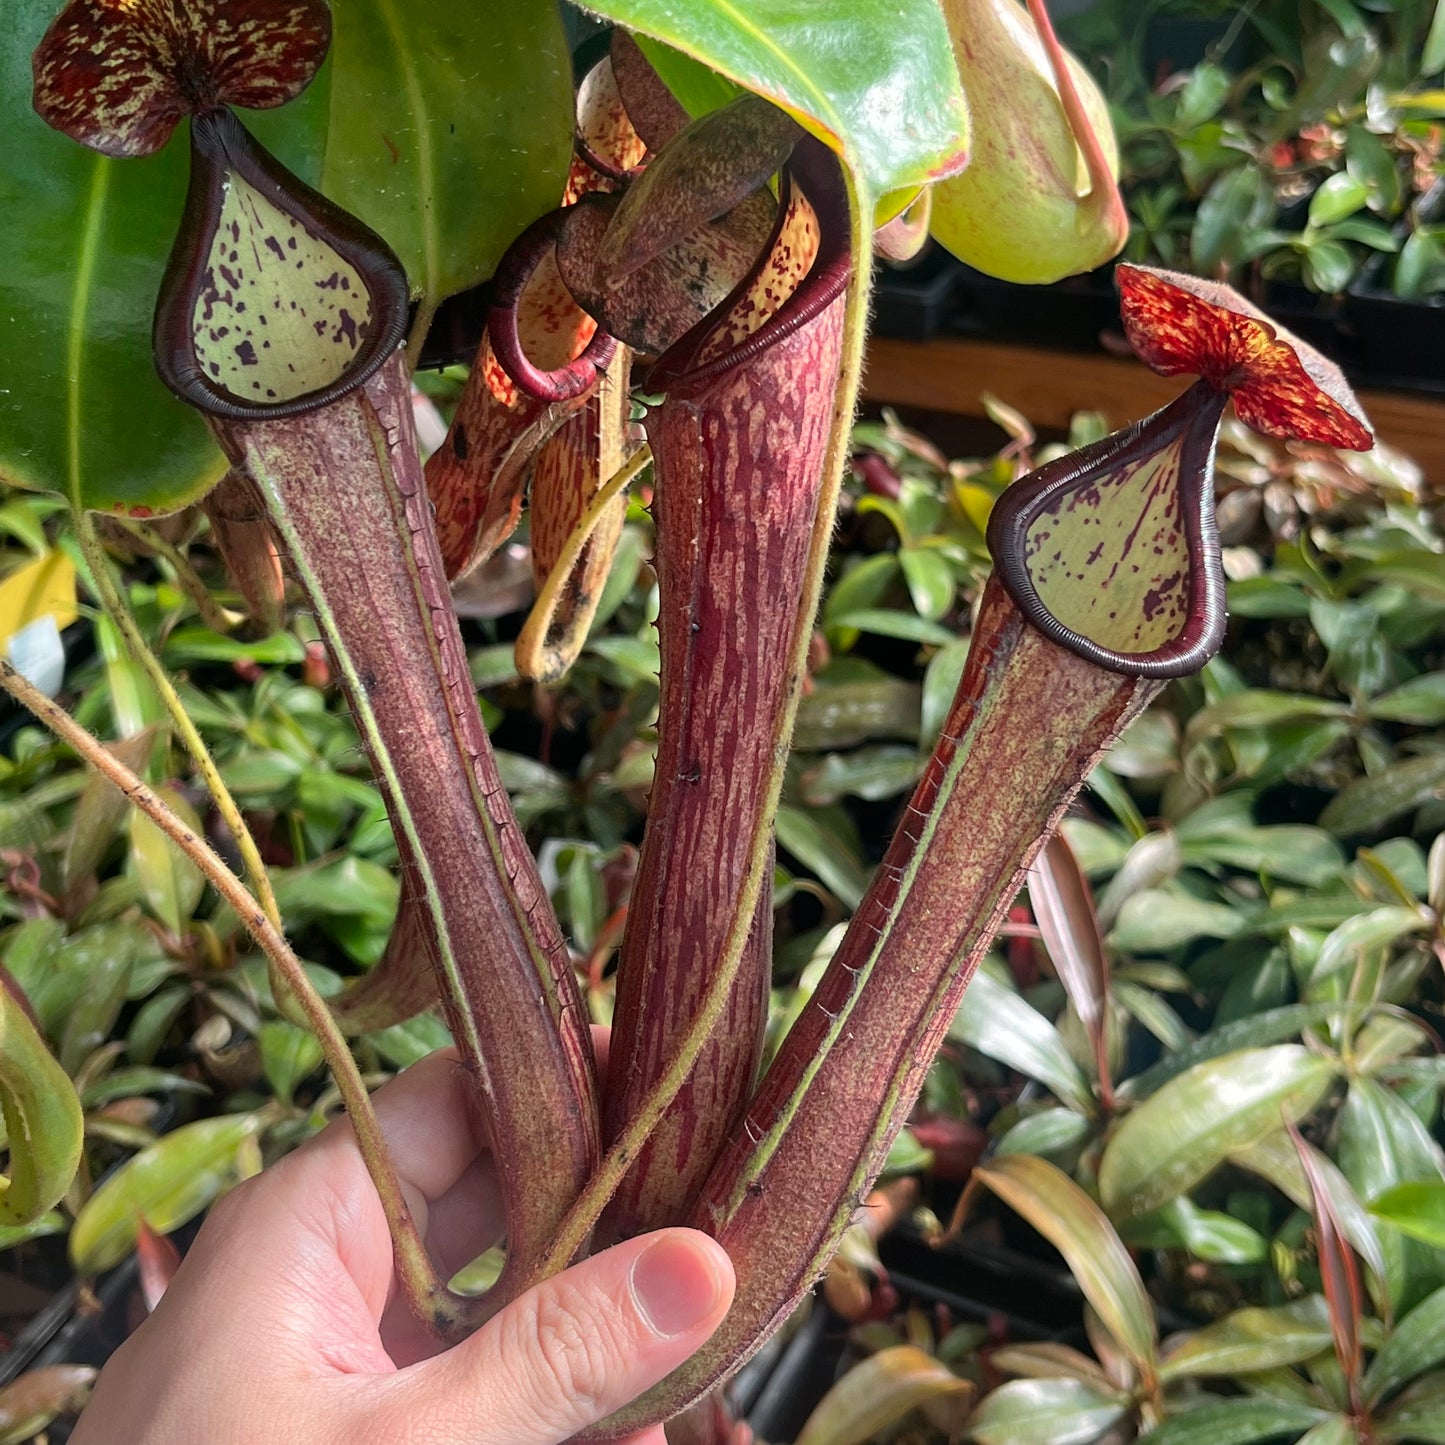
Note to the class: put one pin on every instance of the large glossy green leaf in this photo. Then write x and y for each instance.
(876, 79)
(1047, 1412)
(447, 144)
(450, 128)
(1250, 1340)
(41, 1115)
(166, 1184)
(1077, 1228)
(1178, 1135)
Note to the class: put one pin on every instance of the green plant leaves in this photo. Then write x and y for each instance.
(448, 128)
(1415, 1208)
(1233, 1422)
(1077, 1228)
(1047, 1412)
(1179, 1134)
(1250, 1340)
(42, 1118)
(888, 100)
(166, 1184)
(878, 1393)
(997, 1022)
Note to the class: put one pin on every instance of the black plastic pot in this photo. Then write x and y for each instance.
(1401, 342)
(917, 300)
(1071, 315)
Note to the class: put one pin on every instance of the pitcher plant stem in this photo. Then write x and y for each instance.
(114, 600)
(616, 1162)
(426, 1292)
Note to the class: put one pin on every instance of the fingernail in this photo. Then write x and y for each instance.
(675, 1284)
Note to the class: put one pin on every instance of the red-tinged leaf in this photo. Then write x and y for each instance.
(158, 1259)
(116, 75)
(1339, 1271)
(1063, 906)
(1281, 386)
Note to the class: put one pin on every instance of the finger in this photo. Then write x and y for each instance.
(574, 1349)
(426, 1116)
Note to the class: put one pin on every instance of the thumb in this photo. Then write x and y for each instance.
(576, 1347)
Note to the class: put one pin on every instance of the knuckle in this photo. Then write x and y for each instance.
(576, 1360)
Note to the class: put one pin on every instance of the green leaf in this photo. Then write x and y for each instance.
(1259, 708)
(1050, 1131)
(288, 1055)
(170, 882)
(446, 127)
(1415, 1345)
(1077, 1228)
(403, 1044)
(1420, 701)
(1366, 933)
(1292, 853)
(1415, 1208)
(1046, 1412)
(842, 715)
(888, 100)
(1338, 196)
(1369, 802)
(878, 1394)
(1181, 1133)
(930, 581)
(450, 129)
(903, 625)
(92, 1016)
(1157, 919)
(166, 1184)
(820, 848)
(1250, 1340)
(873, 773)
(42, 1118)
(1337, 1430)
(1418, 1415)
(1233, 1422)
(994, 1020)
(1205, 1233)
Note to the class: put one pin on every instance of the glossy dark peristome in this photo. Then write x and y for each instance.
(221, 147)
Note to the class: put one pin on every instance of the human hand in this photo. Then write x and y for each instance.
(284, 1326)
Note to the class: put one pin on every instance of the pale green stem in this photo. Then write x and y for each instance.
(604, 1183)
(217, 618)
(425, 1290)
(114, 601)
